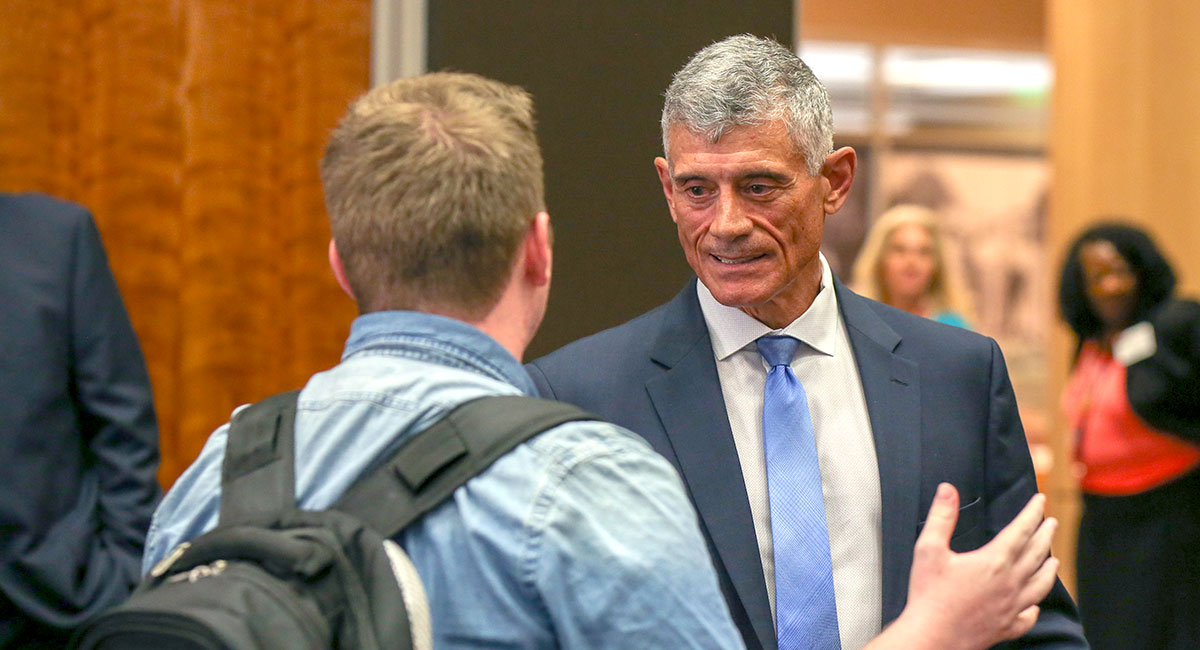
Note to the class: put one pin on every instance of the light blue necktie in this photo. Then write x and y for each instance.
(805, 610)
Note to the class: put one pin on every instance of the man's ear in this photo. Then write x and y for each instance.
(838, 171)
(339, 270)
(664, 177)
(538, 250)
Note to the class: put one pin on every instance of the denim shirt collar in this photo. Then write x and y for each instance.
(436, 339)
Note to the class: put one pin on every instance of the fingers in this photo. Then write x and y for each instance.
(1024, 621)
(943, 516)
(1017, 533)
(1040, 583)
(1037, 549)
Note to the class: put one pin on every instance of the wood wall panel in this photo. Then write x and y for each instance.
(1126, 129)
(192, 129)
(1008, 25)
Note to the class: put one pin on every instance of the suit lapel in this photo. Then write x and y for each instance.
(688, 399)
(893, 395)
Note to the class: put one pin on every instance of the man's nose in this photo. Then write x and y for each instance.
(730, 220)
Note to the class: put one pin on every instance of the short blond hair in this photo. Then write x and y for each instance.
(945, 291)
(431, 183)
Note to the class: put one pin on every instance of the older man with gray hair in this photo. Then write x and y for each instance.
(812, 427)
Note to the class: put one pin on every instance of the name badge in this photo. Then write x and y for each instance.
(1135, 344)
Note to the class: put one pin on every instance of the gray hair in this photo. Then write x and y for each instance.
(431, 183)
(746, 80)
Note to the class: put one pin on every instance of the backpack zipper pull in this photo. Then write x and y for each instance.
(165, 563)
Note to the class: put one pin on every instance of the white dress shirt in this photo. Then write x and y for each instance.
(845, 448)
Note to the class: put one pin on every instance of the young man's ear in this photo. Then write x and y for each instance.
(838, 171)
(539, 255)
(339, 270)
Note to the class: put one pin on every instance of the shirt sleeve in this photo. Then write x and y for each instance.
(193, 504)
(615, 552)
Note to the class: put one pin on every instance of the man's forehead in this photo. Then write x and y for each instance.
(742, 150)
(764, 127)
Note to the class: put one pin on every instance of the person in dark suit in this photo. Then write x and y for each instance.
(78, 435)
(895, 403)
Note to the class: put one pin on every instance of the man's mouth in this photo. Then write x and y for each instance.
(736, 260)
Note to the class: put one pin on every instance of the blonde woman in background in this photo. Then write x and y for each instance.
(903, 264)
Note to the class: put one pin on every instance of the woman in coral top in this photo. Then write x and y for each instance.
(1139, 538)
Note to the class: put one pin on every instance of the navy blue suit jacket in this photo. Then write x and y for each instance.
(78, 438)
(941, 408)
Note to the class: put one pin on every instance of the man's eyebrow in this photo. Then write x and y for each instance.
(687, 178)
(763, 172)
(768, 174)
(754, 173)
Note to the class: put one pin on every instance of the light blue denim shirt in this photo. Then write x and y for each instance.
(580, 538)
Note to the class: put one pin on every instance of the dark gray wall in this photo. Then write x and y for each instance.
(597, 71)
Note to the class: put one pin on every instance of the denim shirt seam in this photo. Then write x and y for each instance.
(388, 400)
(561, 463)
(419, 348)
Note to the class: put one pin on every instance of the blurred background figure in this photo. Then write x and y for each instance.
(1138, 559)
(1162, 360)
(78, 436)
(903, 264)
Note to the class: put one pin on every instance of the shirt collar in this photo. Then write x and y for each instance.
(732, 329)
(437, 339)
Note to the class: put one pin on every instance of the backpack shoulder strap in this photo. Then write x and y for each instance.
(258, 474)
(429, 467)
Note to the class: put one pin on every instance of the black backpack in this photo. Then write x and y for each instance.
(271, 576)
